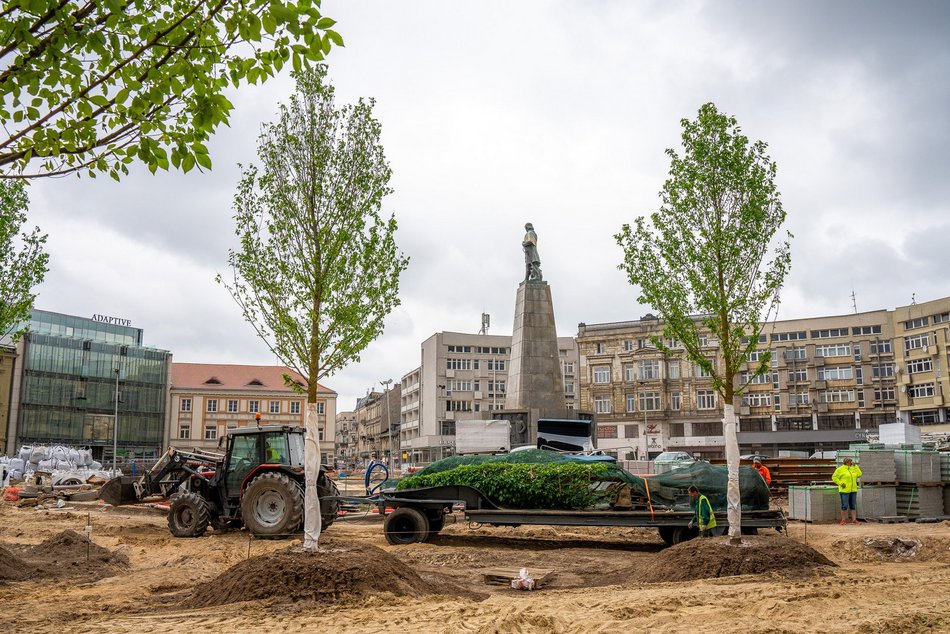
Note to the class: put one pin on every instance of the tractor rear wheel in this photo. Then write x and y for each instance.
(272, 505)
(188, 515)
(326, 488)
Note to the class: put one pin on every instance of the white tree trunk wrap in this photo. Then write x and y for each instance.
(733, 502)
(312, 523)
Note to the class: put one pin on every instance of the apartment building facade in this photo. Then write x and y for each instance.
(832, 380)
(207, 399)
(462, 376)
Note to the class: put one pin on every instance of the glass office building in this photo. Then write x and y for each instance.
(66, 391)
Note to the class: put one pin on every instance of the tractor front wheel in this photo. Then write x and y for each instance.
(272, 506)
(188, 515)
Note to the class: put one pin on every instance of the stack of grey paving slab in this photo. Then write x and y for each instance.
(814, 503)
(916, 501)
(916, 466)
(877, 465)
(945, 478)
(875, 502)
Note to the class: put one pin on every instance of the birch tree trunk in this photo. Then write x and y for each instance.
(733, 499)
(312, 522)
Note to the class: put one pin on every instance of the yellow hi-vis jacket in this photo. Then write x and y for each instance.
(704, 516)
(846, 478)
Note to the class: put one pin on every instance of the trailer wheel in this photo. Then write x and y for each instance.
(272, 505)
(326, 488)
(666, 534)
(683, 534)
(406, 525)
(435, 525)
(188, 515)
(750, 530)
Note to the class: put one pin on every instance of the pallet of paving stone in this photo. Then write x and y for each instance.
(917, 466)
(946, 500)
(814, 503)
(877, 465)
(873, 502)
(504, 576)
(945, 466)
(915, 501)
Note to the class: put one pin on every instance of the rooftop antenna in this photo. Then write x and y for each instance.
(486, 322)
(913, 299)
(854, 302)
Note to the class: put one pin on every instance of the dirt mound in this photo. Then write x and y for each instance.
(71, 548)
(12, 567)
(716, 557)
(338, 571)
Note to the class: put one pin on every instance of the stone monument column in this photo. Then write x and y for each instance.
(535, 382)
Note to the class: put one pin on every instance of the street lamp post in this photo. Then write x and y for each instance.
(115, 424)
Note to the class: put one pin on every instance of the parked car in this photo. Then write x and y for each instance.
(753, 456)
(669, 460)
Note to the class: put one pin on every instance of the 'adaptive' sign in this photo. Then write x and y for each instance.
(112, 320)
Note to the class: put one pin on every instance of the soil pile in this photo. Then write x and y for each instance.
(12, 567)
(337, 572)
(70, 553)
(716, 557)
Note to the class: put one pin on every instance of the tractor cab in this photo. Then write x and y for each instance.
(258, 448)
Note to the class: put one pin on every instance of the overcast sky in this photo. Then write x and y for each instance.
(558, 113)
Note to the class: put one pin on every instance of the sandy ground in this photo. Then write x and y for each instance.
(591, 592)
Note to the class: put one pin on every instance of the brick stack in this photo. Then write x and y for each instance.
(917, 467)
(876, 502)
(914, 501)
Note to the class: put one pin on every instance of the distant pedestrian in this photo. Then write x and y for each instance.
(846, 477)
(703, 515)
(763, 470)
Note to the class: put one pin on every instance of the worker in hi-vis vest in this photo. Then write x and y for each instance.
(703, 516)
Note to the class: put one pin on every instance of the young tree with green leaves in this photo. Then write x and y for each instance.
(701, 261)
(92, 86)
(22, 260)
(318, 268)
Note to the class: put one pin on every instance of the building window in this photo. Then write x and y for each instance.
(797, 376)
(836, 396)
(631, 431)
(568, 368)
(212, 404)
(885, 394)
(677, 430)
(253, 406)
(673, 369)
(274, 407)
(321, 407)
(211, 432)
(866, 330)
(924, 418)
(757, 399)
(631, 401)
(447, 428)
(880, 347)
(232, 406)
(795, 352)
(676, 401)
(705, 399)
(798, 398)
(834, 350)
(294, 407)
(496, 386)
(599, 347)
(882, 370)
(606, 431)
(650, 401)
(706, 429)
(458, 406)
(763, 379)
(184, 432)
(828, 333)
(916, 342)
(602, 374)
(789, 336)
(186, 404)
(702, 372)
(941, 318)
(838, 373)
(460, 364)
(648, 369)
(496, 365)
(920, 322)
(923, 390)
(628, 345)
(602, 404)
(569, 387)
(922, 365)
(629, 373)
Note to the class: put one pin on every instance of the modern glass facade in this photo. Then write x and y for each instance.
(67, 390)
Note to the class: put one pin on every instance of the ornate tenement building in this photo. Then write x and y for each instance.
(832, 380)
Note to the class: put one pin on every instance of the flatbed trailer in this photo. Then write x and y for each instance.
(419, 515)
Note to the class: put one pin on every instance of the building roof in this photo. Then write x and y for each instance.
(227, 377)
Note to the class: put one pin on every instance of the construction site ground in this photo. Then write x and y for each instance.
(887, 578)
